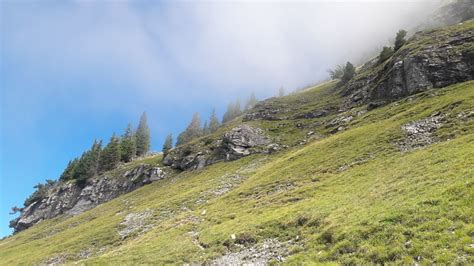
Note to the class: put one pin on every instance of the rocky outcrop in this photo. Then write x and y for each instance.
(241, 141)
(432, 59)
(267, 110)
(71, 199)
(312, 114)
(454, 12)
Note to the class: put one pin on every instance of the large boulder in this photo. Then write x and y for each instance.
(71, 199)
(240, 141)
(432, 59)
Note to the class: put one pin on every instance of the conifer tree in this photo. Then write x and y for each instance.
(281, 92)
(228, 114)
(205, 128)
(400, 39)
(349, 72)
(337, 72)
(111, 154)
(143, 136)
(82, 171)
(128, 145)
(68, 173)
(251, 102)
(233, 111)
(214, 123)
(237, 110)
(95, 152)
(385, 54)
(193, 130)
(168, 145)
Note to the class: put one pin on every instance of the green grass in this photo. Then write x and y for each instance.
(385, 207)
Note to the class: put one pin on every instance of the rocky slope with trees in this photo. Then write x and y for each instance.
(372, 167)
(89, 180)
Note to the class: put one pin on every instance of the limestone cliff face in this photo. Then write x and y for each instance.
(239, 142)
(71, 199)
(430, 59)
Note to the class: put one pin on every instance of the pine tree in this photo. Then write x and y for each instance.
(68, 173)
(349, 72)
(228, 114)
(111, 154)
(128, 145)
(251, 102)
(95, 152)
(400, 39)
(193, 130)
(143, 136)
(237, 110)
(337, 72)
(168, 145)
(385, 54)
(82, 171)
(281, 92)
(233, 111)
(205, 128)
(214, 123)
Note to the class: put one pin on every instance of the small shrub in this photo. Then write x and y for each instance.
(343, 247)
(400, 39)
(349, 73)
(385, 54)
(301, 220)
(245, 239)
(327, 237)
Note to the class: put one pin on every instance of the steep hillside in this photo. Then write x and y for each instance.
(358, 173)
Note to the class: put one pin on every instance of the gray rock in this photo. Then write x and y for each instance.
(414, 70)
(260, 254)
(266, 110)
(70, 199)
(313, 114)
(420, 133)
(240, 141)
(135, 223)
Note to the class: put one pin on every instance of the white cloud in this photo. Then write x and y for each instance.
(200, 48)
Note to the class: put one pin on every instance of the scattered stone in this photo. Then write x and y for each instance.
(203, 212)
(56, 260)
(135, 223)
(421, 133)
(84, 254)
(258, 254)
(228, 183)
(339, 123)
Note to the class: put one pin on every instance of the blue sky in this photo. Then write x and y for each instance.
(73, 71)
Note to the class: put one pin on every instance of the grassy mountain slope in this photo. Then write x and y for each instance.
(352, 196)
